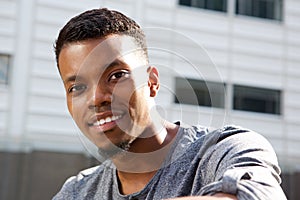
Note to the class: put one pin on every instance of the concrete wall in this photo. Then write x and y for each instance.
(38, 175)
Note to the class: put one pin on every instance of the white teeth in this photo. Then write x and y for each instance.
(106, 120)
(102, 121)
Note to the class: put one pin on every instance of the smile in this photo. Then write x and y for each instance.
(106, 120)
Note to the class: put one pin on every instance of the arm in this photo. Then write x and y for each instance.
(244, 164)
(218, 196)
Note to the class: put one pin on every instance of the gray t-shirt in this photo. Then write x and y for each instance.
(203, 162)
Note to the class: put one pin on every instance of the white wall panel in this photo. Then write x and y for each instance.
(197, 70)
(292, 114)
(43, 50)
(159, 41)
(197, 115)
(220, 58)
(292, 67)
(293, 52)
(293, 82)
(272, 65)
(257, 47)
(3, 121)
(126, 6)
(157, 59)
(158, 16)
(7, 44)
(45, 68)
(7, 27)
(50, 124)
(53, 16)
(257, 79)
(46, 32)
(57, 142)
(292, 20)
(293, 148)
(77, 5)
(47, 87)
(8, 9)
(162, 4)
(292, 37)
(259, 29)
(293, 131)
(292, 6)
(207, 39)
(47, 105)
(292, 98)
(202, 20)
(4, 98)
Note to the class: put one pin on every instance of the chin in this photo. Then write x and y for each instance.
(114, 150)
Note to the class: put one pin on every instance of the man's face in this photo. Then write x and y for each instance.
(108, 90)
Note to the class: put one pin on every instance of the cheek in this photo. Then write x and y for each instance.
(138, 103)
(123, 93)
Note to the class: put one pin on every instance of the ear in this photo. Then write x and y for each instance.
(153, 81)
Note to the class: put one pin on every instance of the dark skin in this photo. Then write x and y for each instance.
(111, 92)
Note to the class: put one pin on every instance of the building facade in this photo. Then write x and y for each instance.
(241, 56)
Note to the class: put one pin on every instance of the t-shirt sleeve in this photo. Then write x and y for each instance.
(67, 190)
(242, 163)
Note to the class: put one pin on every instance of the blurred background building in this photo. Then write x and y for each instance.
(254, 44)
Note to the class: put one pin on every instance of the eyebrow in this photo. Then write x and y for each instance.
(110, 65)
(71, 79)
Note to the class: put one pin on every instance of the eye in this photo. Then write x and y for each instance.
(119, 75)
(77, 89)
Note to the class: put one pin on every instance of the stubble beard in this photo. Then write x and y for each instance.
(117, 151)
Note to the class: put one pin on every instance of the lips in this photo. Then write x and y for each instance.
(105, 120)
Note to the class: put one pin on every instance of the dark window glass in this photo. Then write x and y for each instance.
(199, 92)
(218, 5)
(269, 9)
(257, 99)
(4, 64)
(185, 2)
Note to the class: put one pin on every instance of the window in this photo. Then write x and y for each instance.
(4, 64)
(199, 92)
(270, 9)
(218, 5)
(257, 99)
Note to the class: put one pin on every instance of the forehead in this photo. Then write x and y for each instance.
(100, 53)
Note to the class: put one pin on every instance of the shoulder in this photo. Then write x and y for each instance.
(242, 137)
(210, 135)
(84, 180)
(228, 139)
(86, 173)
(234, 146)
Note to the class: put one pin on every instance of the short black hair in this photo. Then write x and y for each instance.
(99, 23)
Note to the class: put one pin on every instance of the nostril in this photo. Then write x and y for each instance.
(104, 106)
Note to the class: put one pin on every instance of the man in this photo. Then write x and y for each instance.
(110, 88)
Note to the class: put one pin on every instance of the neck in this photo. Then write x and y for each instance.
(136, 167)
(146, 154)
(133, 182)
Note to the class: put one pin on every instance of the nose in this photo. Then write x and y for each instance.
(101, 97)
